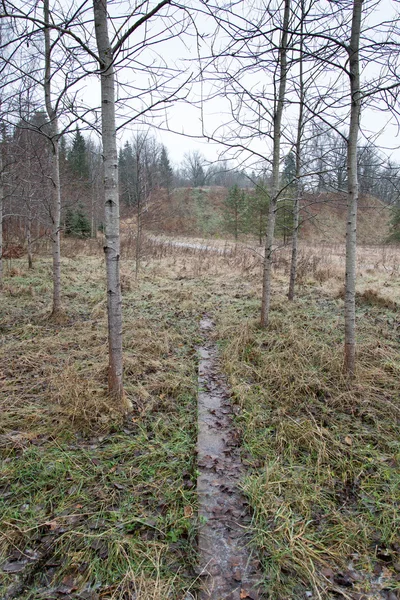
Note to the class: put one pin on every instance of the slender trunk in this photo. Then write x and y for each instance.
(1, 215)
(236, 223)
(29, 243)
(269, 241)
(29, 240)
(138, 240)
(29, 218)
(92, 223)
(352, 198)
(56, 229)
(111, 221)
(139, 196)
(299, 186)
(55, 168)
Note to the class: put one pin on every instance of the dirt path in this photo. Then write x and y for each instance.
(229, 571)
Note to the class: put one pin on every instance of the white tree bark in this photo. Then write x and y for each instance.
(299, 185)
(278, 112)
(352, 198)
(112, 238)
(55, 168)
(1, 214)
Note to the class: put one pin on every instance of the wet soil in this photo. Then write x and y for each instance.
(229, 571)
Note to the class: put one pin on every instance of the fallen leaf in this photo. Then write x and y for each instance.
(188, 511)
(348, 440)
(67, 586)
(13, 567)
(53, 525)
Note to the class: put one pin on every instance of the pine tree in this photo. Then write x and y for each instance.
(126, 174)
(76, 223)
(257, 212)
(165, 171)
(77, 157)
(284, 213)
(235, 211)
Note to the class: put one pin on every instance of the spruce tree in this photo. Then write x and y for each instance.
(77, 157)
(126, 169)
(257, 212)
(235, 211)
(165, 171)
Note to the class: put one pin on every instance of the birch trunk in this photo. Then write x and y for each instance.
(269, 241)
(112, 240)
(352, 198)
(299, 186)
(55, 168)
(1, 215)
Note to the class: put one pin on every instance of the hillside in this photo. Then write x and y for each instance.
(324, 217)
(200, 212)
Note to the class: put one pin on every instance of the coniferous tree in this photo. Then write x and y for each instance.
(257, 212)
(126, 174)
(165, 171)
(284, 214)
(77, 156)
(235, 211)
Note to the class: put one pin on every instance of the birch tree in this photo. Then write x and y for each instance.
(73, 31)
(1, 212)
(299, 185)
(352, 200)
(55, 163)
(111, 213)
(276, 159)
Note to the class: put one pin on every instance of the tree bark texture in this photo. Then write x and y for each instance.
(299, 185)
(278, 111)
(55, 168)
(1, 215)
(352, 197)
(112, 238)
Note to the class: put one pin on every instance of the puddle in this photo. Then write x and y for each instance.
(229, 571)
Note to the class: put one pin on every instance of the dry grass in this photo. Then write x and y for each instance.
(105, 496)
(323, 456)
(100, 497)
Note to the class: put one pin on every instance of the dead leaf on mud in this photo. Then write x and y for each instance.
(67, 586)
(13, 566)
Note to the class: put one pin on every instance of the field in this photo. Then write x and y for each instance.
(99, 505)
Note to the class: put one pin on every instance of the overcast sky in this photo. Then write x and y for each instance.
(181, 116)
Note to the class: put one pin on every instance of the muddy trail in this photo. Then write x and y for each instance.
(229, 571)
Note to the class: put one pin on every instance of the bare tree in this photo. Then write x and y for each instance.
(1, 212)
(73, 32)
(194, 166)
(276, 158)
(351, 231)
(299, 184)
(55, 161)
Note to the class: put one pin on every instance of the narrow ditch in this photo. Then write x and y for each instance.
(229, 571)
